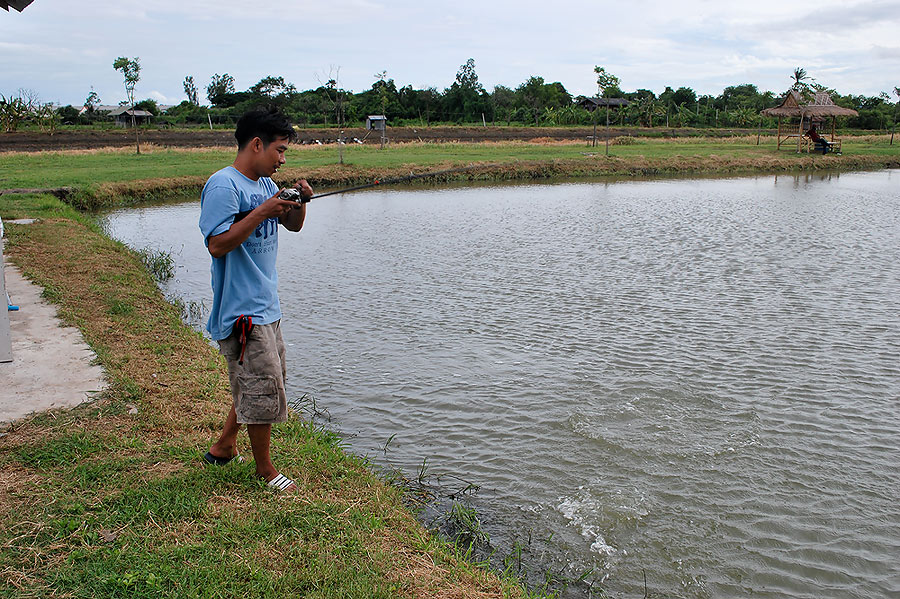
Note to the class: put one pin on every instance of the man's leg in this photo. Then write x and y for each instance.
(226, 446)
(260, 441)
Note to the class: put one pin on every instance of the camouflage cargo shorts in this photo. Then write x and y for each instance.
(257, 385)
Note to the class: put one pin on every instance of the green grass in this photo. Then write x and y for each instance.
(111, 532)
(19, 205)
(79, 169)
(85, 169)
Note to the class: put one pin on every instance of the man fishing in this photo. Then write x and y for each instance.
(246, 315)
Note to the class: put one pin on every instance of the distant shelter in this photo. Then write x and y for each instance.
(123, 116)
(820, 108)
(376, 121)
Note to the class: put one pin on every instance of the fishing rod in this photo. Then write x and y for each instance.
(292, 193)
(404, 179)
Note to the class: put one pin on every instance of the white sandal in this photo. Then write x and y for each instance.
(280, 483)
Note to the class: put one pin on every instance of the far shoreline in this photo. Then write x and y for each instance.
(106, 178)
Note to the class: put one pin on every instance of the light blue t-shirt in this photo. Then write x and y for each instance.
(244, 280)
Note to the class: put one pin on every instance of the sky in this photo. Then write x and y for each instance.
(59, 50)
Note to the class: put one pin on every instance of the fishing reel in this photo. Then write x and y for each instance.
(293, 194)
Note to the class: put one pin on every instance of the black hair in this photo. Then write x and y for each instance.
(264, 123)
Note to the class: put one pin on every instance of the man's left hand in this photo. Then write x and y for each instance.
(306, 191)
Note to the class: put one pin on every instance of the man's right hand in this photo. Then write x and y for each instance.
(244, 224)
(275, 207)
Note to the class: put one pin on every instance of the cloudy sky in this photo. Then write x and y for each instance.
(60, 49)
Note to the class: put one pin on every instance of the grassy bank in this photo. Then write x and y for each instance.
(112, 500)
(103, 178)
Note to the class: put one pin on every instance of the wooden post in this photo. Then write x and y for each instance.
(607, 126)
(800, 133)
(778, 143)
(137, 136)
(759, 130)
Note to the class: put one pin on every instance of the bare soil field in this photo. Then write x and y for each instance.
(25, 141)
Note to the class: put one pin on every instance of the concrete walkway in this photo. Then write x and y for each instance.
(52, 365)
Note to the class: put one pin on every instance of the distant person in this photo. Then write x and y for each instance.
(818, 139)
(246, 314)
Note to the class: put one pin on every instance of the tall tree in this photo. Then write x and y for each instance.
(190, 90)
(131, 72)
(335, 94)
(383, 85)
(465, 100)
(605, 80)
(466, 76)
(92, 101)
(219, 86)
(273, 86)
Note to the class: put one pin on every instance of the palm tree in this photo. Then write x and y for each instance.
(802, 82)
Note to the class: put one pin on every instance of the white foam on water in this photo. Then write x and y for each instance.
(578, 510)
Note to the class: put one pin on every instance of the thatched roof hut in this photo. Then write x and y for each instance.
(19, 5)
(821, 107)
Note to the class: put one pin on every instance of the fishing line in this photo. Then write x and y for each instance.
(395, 180)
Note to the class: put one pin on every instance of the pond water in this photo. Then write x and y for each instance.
(692, 382)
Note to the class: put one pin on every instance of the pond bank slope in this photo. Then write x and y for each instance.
(112, 499)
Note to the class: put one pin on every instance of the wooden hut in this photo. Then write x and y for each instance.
(376, 121)
(820, 108)
(123, 115)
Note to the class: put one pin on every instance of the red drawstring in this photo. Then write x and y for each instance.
(243, 326)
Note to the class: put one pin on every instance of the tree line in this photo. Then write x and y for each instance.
(535, 102)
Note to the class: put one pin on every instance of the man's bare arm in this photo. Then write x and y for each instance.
(240, 230)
